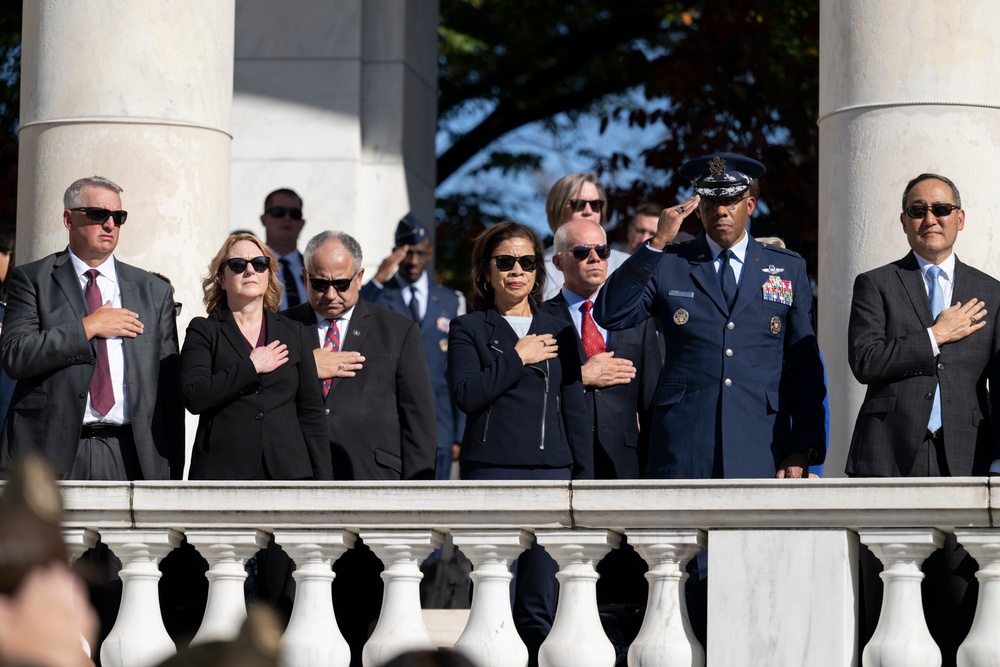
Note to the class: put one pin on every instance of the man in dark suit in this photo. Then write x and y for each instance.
(411, 293)
(741, 392)
(619, 376)
(92, 344)
(283, 222)
(923, 341)
(378, 402)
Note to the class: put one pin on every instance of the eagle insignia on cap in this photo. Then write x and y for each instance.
(717, 165)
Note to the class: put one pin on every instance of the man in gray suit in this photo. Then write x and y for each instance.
(925, 337)
(92, 344)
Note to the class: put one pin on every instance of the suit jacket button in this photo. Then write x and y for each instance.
(258, 390)
(326, 410)
(83, 394)
(593, 429)
(940, 367)
(929, 396)
(728, 382)
(730, 326)
(259, 416)
(597, 392)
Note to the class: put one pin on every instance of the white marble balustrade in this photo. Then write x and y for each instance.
(782, 556)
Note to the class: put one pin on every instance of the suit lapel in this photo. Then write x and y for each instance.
(703, 273)
(559, 301)
(231, 332)
(65, 276)
(963, 287)
(913, 284)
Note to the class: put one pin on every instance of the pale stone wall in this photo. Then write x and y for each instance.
(906, 87)
(336, 99)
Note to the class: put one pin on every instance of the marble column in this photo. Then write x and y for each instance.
(666, 637)
(139, 638)
(400, 624)
(227, 552)
(489, 638)
(141, 93)
(313, 638)
(906, 87)
(981, 648)
(901, 638)
(577, 638)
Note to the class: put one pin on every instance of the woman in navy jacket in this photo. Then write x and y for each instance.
(249, 373)
(515, 371)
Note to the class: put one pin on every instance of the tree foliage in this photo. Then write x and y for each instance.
(736, 76)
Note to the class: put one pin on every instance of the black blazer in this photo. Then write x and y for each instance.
(517, 415)
(620, 415)
(890, 351)
(248, 418)
(381, 421)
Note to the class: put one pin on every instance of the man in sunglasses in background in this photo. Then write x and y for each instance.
(92, 343)
(283, 222)
(403, 284)
(924, 337)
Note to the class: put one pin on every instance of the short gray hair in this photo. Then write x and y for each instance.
(353, 247)
(71, 199)
(560, 244)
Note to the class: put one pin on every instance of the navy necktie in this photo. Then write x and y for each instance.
(414, 304)
(728, 278)
(291, 288)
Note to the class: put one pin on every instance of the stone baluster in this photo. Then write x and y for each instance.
(901, 638)
(78, 541)
(981, 648)
(313, 638)
(138, 638)
(226, 552)
(666, 637)
(489, 638)
(577, 638)
(400, 624)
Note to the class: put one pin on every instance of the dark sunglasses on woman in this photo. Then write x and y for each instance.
(239, 265)
(506, 262)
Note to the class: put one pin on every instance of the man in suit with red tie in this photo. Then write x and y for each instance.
(924, 337)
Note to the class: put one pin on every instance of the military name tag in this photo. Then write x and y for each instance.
(778, 290)
(681, 316)
(775, 325)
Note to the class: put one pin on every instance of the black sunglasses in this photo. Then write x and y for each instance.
(282, 211)
(917, 212)
(341, 284)
(579, 204)
(239, 265)
(506, 262)
(98, 214)
(582, 252)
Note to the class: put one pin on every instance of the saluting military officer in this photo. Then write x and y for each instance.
(741, 391)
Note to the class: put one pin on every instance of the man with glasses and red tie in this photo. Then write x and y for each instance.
(92, 343)
(741, 391)
(924, 338)
(283, 222)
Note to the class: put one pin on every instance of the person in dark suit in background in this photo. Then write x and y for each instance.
(515, 371)
(249, 373)
(78, 323)
(372, 374)
(7, 383)
(283, 222)
(622, 367)
(741, 391)
(403, 285)
(924, 337)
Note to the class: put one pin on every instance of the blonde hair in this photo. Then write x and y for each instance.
(564, 190)
(215, 296)
(773, 240)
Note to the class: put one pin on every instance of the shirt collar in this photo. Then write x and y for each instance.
(573, 300)
(947, 266)
(344, 318)
(421, 283)
(105, 268)
(739, 250)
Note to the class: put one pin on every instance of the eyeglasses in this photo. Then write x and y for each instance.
(729, 202)
(917, 212)
(579, 204)
(177, 308)
(582, 252)
(282, 211)
(99, 214)
(341, 284)
(239, 265)
(506, 262)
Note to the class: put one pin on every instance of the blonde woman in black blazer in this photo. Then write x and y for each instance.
(250, 374)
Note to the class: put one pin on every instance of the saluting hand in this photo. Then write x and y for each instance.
(390, 264)
(670, 222)
(108, 322)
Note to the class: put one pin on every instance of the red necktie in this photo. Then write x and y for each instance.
(332, 338)
(593, 341)
(102, 394)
